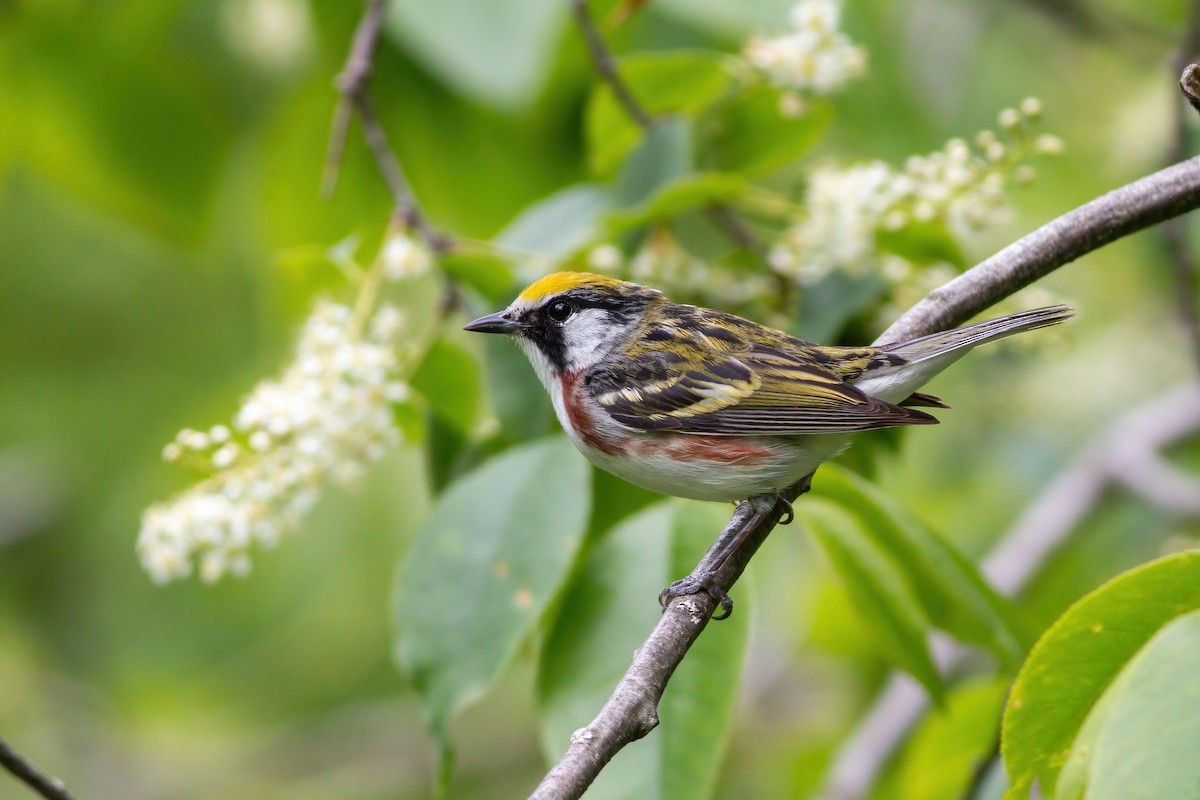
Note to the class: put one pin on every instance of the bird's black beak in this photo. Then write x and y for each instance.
(499, 322)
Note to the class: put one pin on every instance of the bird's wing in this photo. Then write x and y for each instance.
(744, 387)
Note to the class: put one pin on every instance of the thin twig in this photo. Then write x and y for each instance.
(631, 712)
(605, 65)
(1114, 457)
(353, 82)
(47, 786)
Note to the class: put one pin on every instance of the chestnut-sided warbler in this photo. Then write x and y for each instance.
(701, 404)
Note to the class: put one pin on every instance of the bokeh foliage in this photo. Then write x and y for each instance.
(161, 236)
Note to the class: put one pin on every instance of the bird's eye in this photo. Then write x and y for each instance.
(559, 310)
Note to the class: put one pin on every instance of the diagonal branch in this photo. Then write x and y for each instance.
(48, 787)
(631, 712)
(353, 83)
(1153, 199)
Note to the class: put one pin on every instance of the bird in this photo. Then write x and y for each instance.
(698, 403)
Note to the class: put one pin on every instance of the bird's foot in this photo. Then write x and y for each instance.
(789, 513)
(706, 583)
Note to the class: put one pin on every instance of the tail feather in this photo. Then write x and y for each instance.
(922, 399)
(968, 336)
(918, 360)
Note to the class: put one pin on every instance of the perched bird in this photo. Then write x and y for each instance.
(697, 403)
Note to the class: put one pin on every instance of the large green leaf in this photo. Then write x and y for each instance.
(495, 550)
(729, 18)
(948, 587)
(676, 82)
(559, 224)
(877, 588)
(518, 398)
(685, 193)
(923, 243)
(605, 616)
(498, 52)
(1142, 740)
(1079, 656)
(829, 304)
(752, 136)
(945, 750)
(448, 377)
(664, 156)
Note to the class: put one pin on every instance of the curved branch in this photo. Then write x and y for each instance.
(353, 82)
(1153, 199)
(49, 787)
(631, 712)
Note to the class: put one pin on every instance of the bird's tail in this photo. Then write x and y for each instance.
(921, 359)
(968, 336)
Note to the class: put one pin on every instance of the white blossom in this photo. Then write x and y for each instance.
(405, 257)
(814, 57)
(327, 416)
(274, 34)
(847, 208)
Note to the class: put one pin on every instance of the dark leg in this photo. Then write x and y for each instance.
(745, 521)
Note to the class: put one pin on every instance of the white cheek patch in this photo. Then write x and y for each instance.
(588, 335)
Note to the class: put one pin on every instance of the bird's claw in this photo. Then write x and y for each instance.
(706, 584)
(789, 513)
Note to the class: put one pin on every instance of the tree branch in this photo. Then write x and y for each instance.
(353, 83)
(606, 66)
(631, 712)
(1129, 453)
(49, 787)
(1153, 199)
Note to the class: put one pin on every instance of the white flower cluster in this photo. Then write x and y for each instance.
(815, 57)
(328, 416)
(405, 257)
(959, 186)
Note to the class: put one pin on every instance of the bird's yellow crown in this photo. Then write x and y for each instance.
(564, 281)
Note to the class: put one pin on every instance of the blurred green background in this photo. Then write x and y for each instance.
(159, 171)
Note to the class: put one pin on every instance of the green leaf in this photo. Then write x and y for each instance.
(665, 155)
(678, 82)
(729, 18)
(495, 550)
(498, 53)
(948, 587)
(877, 589)
(448, 377)
(561, 223)
(685, 193)
(1141, 740)
(1080, 654)
(950, 744)
(923, 243)
(753, 138)
(518, 398)
(489, 275)
(827, 305)
(604, 617)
